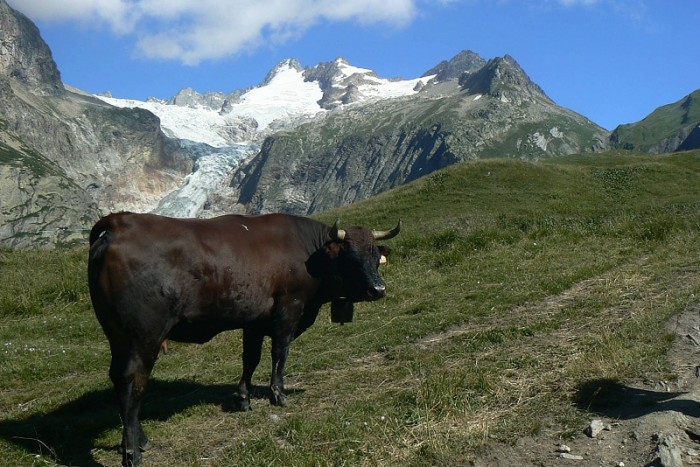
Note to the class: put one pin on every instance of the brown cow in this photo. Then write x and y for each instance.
(155, 278)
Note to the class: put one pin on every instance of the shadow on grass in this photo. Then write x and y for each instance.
(67, 434)
(612, 399)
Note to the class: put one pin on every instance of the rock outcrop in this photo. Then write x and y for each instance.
(464, 63)
(24, 56)
(68, 157)
(188, 97)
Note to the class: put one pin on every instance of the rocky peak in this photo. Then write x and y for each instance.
(464, 62)
(324, 73)
(24, 56)
(339, 81)
(188, 97)
(503, 78)
(284, 65)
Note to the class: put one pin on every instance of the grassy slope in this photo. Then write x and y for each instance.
(662, 123)
(513, 286)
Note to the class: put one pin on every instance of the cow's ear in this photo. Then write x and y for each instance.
(319, 262)
(332, 249)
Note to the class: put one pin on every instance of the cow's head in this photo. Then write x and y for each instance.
(349, 262)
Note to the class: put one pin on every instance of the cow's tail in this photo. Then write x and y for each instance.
(101, 236)
(99, 229)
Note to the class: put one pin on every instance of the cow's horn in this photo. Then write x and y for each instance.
(337, 233)
(387, 234)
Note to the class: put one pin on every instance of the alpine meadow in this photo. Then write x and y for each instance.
(523, 300)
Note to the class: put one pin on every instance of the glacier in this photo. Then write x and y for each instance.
(211, 174)
(219, 139)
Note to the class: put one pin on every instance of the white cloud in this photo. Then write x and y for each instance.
(195, 30)
(118, 14)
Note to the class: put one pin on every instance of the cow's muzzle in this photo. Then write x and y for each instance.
(376, 292)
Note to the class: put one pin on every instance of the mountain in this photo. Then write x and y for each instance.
(24, 56)
(492, 111)
(289, 95)
(305, 140)
(673, 127)
(314, 138)
(67, 157)
(237, 124)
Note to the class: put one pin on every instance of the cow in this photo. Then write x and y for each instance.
(154, 279)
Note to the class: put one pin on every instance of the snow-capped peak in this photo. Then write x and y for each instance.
(281, 67)
(234, 123)
(288, 94)
(285, 96)
(347, 70)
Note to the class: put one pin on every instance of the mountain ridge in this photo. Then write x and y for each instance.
(373, 147)
(306, 139)
(669, 128)
(24, 56)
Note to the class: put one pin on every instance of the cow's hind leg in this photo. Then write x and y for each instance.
(280, 350)
(252, 350)
(130, 371)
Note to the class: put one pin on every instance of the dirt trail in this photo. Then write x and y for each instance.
(657, 425)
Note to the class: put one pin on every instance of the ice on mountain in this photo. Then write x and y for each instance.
(211, 173)
(219, 138)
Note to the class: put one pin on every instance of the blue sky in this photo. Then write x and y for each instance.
(613, 61)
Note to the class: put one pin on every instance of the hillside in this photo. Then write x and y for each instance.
(524, 300)
(672, 127)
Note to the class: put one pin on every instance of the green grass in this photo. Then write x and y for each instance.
(513, 286)
(662, 123)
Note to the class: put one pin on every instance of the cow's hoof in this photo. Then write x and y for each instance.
(241, 404)
(278, 399)
(144, 444)
(132, 459)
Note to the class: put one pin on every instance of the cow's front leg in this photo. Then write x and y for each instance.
(252, 348)
(280, 350)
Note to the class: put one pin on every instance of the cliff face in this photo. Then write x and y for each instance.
(39, 205)
(494, 111)
(67, 157)
(24, 56)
